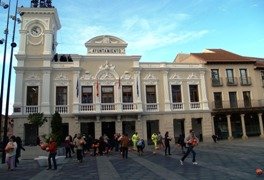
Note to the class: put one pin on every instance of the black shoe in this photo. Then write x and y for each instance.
(170, 154)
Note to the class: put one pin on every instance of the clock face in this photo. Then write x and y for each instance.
(35, 31)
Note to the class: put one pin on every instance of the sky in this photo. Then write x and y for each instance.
(157, 30)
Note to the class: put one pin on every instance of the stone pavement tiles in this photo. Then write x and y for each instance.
(224, 160)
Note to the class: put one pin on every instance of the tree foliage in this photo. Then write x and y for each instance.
(56, 127)
(37, 119)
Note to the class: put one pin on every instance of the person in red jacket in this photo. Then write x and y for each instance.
(52, 149)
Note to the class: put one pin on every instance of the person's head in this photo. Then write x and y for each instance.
(167, 133)
(191, 131)
(12, 138)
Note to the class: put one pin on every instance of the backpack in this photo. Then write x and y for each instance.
(139, 143)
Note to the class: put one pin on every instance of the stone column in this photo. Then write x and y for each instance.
(118, 125)
(244, 136)
(187, 125)
(48, 42)
(18, 106)
(166, 90)
(203, 91)
(76, 87)
(23, 41)
(137, 90)
(261, 125)
(213, 127)
(45, 97)
(230, 137)
(98, 127)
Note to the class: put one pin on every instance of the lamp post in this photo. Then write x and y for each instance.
(13, 45)
(4, 59)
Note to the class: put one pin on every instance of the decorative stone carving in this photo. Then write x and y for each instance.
(107, 66)
(61, 77)
(193, 76)
(150, 79)
(86, 76)
(175, 76)
(33, 76)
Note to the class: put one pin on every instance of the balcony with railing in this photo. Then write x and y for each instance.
(152, 107)
(217, 82)
(31, 109)
(231, 81)
(108, 107)
(177, 106)
(246, 81)
(195, 105)
(237, 104)
(62, 109)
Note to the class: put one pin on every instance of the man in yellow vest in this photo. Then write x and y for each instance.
(154, 138)
(135, 139)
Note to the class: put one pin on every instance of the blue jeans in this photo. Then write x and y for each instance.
(190, 149)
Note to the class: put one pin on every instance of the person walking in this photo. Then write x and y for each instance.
(160, 141)
(135, 139)
(191, 141)
(67, 145)
(124, 145)
(154, 138)
(167, 140)
(18, 150)
(11, 153)
(52, 149)
(79, 143)
(140, 146)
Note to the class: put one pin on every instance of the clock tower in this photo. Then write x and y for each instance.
(38, 33)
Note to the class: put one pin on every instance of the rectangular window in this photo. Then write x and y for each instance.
(151, 94)
(218, 100)
(176, 93)
(247, 99)
(61, 95)
(215, 77)
(244, 77)
(194, 95)
(262, 77)
(87, 94)
(107, 94)
(32, 95)
(233, 99)
(127, 94)
(230, 76)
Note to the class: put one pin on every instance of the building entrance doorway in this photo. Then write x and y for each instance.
(87, 128)
(108, 128)
(152, 127)
(31, 134)
(197, 127)
(178, 126)
(129, 127)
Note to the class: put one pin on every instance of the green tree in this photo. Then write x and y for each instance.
(37, 119)
(56, 130)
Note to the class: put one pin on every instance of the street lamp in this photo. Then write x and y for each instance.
(4, 5)
(4, 61)
(13, 45)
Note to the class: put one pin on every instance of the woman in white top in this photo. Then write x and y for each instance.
(11, 153)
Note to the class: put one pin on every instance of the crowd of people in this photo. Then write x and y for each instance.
(86, 145)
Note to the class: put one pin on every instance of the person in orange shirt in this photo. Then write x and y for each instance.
(52, 149)
(191, 141)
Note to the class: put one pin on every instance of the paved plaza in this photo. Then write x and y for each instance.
(237, 159)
